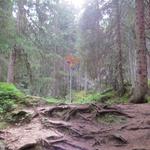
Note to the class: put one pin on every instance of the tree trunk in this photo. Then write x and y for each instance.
(121, 88)
(141, 85)
(28, 66)
(0, 73)
(131, 60)
(70, 85)
(11, 67)
(85, 82)
(21, 17)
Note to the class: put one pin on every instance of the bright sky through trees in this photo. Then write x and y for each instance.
(76, 3)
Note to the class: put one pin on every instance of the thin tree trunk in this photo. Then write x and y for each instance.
(131, 68)
(11, 67)
(70, 85)
(131, 60)
(141, 86)
(28, 66)
(0, 72)
(121, 87)
(85, 82)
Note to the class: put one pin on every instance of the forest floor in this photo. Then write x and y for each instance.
(81, 127)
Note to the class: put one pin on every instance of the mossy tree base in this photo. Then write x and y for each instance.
(138, 99)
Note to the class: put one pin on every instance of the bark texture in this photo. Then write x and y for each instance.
(11, 66)
(141, 85)
(121, 88)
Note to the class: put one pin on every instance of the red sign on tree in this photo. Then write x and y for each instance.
(72, 60)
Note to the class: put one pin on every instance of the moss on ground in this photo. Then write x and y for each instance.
(111, 118)
(3, 125)
(51, 100)
(109, 97)
(11, 97)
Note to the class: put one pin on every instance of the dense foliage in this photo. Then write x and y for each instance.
(10, 96)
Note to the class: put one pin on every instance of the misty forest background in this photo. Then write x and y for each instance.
(52, 49)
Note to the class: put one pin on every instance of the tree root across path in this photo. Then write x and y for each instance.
(71, 111)
(81, 127)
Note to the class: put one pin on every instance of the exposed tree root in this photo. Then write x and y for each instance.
(67, 113)
(76, 127)
(119, 139)
(65, 127)
(117, 112)
(28, 146)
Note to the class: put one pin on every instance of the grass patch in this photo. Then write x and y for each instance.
(51, 100)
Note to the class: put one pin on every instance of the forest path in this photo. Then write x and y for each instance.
(82, 127)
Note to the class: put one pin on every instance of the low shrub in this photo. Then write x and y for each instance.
(10, 96)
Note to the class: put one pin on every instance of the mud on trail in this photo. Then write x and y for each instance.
(82, 127)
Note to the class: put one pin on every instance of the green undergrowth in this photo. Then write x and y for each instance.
(10, 97)
(108, 97)
(52, 100)
(148, 99)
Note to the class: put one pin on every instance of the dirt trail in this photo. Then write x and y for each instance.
(82, 127)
